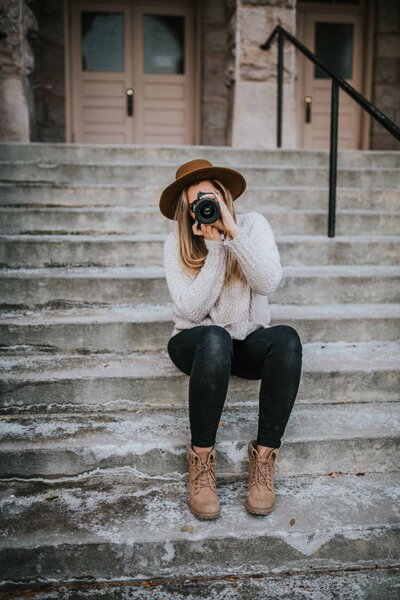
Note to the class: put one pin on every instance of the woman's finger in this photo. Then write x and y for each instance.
(214, 233)
(195, 229)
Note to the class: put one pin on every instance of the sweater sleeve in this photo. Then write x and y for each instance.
(256, 251)
(194, 297)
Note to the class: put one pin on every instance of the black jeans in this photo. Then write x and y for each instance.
(209, 354)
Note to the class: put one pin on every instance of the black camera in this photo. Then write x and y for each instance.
(206, 210)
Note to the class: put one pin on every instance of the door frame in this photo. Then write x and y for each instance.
(368, 27)
(197, 64)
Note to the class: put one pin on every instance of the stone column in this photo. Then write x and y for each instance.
(16, 62)
(216, 81)
(386, 72)
(254, 113)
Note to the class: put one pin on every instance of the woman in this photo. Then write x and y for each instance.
(219, 276)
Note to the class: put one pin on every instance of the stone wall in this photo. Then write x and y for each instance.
(48, 79)
(386, 72)
(217, 42)
(254, 123)
(16, 63)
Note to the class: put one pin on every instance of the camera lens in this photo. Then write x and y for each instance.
(207, 211)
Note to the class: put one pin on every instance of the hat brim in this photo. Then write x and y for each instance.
(232, 179)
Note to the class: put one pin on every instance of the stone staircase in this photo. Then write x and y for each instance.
(93, 414)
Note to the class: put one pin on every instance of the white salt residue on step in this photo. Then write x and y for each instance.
(138, 431)
(161, 507)
(234, 451)
(133, 427)
(122, 527)
(154, 422)
(169, 552)
(164, 517)
(351, 533)
(12, 429)
(332, 422)
(350, 489)
(122, 471)
(308, 544)
(139, 449)
(16, 504)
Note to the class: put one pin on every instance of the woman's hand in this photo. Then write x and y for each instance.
(207, 231)
(224, 224)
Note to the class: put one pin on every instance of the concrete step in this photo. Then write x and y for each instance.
(162, 174)
(338, 372)
(27, 194)
(146, 250)
(174, 154)
(362, 583)
(123, 532)
(125, 328)
(142, 220)
(62, 287)
(319, 438)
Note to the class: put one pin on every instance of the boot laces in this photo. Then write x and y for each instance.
(206, 476)
(264, 472)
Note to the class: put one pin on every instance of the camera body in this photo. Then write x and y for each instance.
(206, 209)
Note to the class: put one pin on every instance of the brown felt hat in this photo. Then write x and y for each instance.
(196, 169)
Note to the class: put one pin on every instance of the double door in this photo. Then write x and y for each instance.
(132, 72)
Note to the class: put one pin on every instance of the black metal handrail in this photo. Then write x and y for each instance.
(337, 81)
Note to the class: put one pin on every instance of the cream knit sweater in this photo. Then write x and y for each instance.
(204, 300)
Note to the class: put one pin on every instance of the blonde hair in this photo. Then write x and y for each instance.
(192, 248)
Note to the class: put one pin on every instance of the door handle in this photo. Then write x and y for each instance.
(308, 101)
(129, 102)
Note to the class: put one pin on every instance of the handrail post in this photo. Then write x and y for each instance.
(333, 157)
(337, 82)
(279, 105)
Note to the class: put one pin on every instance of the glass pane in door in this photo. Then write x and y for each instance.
(102, 41)
(334, 47)
(163, 43)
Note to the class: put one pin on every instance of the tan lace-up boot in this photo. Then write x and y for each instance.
(202, 493)
(260, 499)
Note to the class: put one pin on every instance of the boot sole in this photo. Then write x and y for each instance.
(207, 516)
(258, 511)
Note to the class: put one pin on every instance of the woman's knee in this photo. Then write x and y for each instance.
(288, 339)
(217, 341)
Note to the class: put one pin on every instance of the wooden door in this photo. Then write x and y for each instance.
(164, 72)
(336, 38)
(101, 72)
(132, 72)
